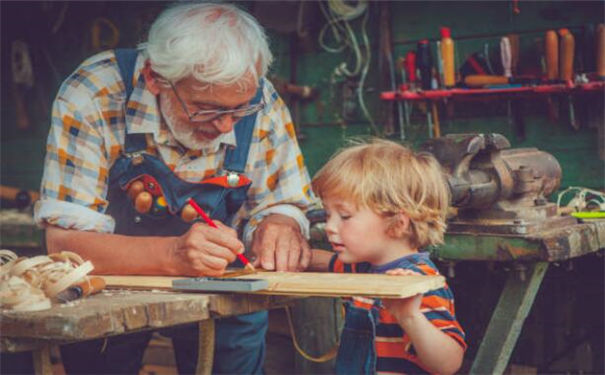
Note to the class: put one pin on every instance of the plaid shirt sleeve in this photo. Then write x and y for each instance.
(281, 183)
(74, 183)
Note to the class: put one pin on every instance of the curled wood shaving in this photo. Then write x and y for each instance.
(29, 284)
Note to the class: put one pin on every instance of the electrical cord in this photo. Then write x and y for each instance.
(338, 13)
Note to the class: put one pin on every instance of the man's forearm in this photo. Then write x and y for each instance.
(116, 254)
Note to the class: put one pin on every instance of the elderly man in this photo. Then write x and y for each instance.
(135, 134)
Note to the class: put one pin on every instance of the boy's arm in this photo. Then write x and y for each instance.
(320, 260)
(439, 352)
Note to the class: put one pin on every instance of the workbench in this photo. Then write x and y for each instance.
(130, 311)
(118, 312)
(532, 255)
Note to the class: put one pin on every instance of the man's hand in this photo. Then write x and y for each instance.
(204, 250)
(279, 245)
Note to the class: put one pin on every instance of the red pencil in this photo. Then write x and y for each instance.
(209, 221)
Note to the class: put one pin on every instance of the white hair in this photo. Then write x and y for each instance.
(214, 43)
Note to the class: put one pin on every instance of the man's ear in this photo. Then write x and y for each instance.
(150, 81)
(400, 225)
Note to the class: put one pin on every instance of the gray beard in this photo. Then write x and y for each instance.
(184, 133)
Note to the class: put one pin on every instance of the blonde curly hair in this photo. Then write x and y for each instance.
(390, 179)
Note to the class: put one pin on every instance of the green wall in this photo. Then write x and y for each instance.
(320, 121)
(473, 24)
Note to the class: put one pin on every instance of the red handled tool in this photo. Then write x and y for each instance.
(91, 285)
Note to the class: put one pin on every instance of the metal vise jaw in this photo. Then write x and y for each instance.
(497, 189)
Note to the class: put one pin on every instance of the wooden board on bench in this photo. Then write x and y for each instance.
(308, 284)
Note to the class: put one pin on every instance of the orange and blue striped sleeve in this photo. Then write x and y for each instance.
(338, 266)
(438, 307)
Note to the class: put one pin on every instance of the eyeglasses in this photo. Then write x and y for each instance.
(209, 115)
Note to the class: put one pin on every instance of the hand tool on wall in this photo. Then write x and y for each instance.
(514, 53)
(410, 69)
(566, 57)
(425, 64)
(23, 79)
(516, 9)
(440, 80)
(475, 64)
(600, 40)
(99, 42)
(551, 52)
(509, 51)
(447, 56)
(478, 80)
(551, 57)
(505, 55)
(403, 106)
(436, 125)
(586, 51)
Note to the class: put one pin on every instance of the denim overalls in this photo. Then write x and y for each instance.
(240, 340)
(357, 350)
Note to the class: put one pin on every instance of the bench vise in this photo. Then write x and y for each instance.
(497, 189)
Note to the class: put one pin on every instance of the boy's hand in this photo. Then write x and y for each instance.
(403, 308)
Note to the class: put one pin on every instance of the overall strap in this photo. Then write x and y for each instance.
(236, 157)
(126, 59)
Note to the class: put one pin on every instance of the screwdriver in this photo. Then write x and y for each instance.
(551, 56)
(566, 55)
(90, 286)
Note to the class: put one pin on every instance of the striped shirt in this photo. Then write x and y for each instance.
(90, 117)
(395, 352)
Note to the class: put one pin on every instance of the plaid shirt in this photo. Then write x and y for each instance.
(90, 117)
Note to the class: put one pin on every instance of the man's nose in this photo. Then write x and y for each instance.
(224, 124)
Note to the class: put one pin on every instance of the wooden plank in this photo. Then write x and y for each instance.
(310, 284)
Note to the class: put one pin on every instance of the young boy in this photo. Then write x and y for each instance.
(384, 203)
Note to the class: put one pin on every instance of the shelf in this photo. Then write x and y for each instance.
(499, 91)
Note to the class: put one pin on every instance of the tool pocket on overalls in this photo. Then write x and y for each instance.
(357, 351)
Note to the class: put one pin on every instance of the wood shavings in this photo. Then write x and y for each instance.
(29, 284)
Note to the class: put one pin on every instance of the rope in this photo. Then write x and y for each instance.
(330, 354)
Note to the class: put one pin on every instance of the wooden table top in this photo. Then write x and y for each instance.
(115, 312)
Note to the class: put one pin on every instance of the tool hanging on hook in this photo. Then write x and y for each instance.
(23, 79)
(516, 9)
(98, 41)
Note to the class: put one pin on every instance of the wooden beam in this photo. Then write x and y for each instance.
(507, 320)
